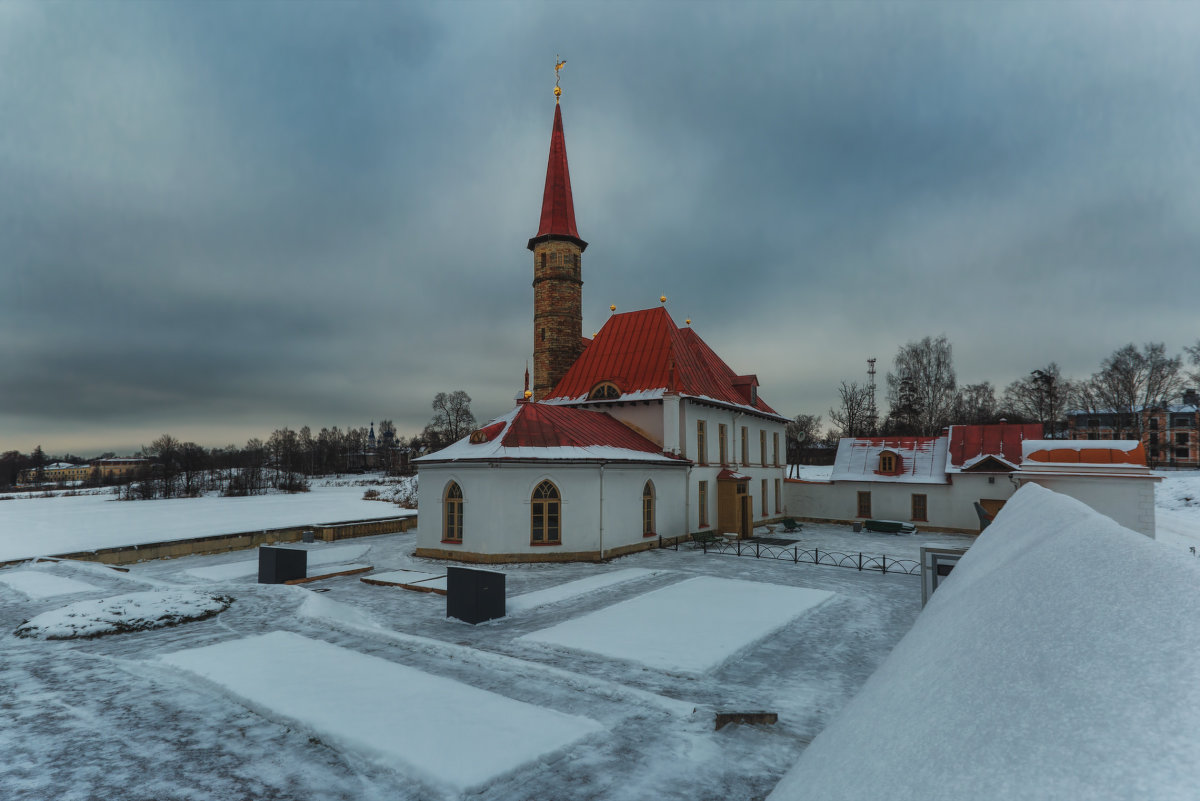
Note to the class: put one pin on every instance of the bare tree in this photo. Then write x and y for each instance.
(1193, 352)
(1042, 397)
(921, 391)
(452, 419)
(800, 434)
(853, 417)
(975, 404)
(1131, 381)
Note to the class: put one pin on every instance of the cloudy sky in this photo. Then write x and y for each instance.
(220, 218)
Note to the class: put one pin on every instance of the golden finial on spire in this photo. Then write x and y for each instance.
(558, 65)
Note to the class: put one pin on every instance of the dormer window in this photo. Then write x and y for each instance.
(753, 394)
(887, 462)
(605, 390)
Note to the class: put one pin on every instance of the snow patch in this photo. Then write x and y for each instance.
(445, 733)
(37, 584)
(690, 627)
(135, 611)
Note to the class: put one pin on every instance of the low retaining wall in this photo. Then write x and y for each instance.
(221, 543)
(550, 556)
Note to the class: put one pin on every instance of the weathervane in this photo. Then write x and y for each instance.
(558, 65)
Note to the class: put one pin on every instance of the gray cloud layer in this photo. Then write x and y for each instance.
(219, 219)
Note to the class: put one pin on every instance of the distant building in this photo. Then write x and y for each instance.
(99, 469)
(936, 483)
(1171, 433)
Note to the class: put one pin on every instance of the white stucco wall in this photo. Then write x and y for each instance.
(1128, 501)
(496, 505)
(949, 506)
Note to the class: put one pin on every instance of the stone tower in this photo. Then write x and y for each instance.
(557, 285)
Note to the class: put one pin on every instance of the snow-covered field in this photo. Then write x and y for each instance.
(34, 526)
(254, 703)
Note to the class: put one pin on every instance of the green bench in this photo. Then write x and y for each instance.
(706, 538)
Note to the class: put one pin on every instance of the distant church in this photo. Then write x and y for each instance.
(641, 432)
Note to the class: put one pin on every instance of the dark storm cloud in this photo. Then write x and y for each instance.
(222, 216)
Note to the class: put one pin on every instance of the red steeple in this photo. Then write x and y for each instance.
(558, 209)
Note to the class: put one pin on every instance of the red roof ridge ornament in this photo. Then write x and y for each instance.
(558, 206)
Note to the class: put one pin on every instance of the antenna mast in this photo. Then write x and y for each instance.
(871, 383)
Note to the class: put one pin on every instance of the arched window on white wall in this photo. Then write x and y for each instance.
(648, 509)
(545, 515)
(452, 513)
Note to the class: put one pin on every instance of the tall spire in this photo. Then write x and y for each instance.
(557, 276)
(558, 208)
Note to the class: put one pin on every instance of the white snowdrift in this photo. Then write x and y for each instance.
(1060, 660)
(136, 611)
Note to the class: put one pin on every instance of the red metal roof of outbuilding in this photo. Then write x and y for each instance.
(644, 350)
(1002, 440)
(558, 207)
(539, 425)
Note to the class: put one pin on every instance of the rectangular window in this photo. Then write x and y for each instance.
(702, 495)
(918, 507)
(1093, 436)
(775, 448)
(1181, 453)
(864, 504)
(764, 497)
(762, 447)
(1154, 439)
(745, 446)
(1153, 423)
(1181, 438)
(701, 443)
(778, 505)
(721, 445)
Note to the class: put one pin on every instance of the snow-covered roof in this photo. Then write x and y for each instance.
(540, 431)
(1058, 660)
(1073, 451)
(919, 460)
(971, 446)
(1115, 457)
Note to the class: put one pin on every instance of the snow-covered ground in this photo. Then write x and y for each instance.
(36, 526)
(119, 717)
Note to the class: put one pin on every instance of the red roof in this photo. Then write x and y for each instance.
(558, 208)
(1002, 440)
(644, 350)
(538, 425)
(1090, 455)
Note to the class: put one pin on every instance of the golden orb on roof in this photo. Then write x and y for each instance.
(688, 321)
(662, 298)
(528, 394)
(558, 91)
(613, 307)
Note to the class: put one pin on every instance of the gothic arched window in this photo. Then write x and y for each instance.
(648, 509)
(545, 518)
(452, 513)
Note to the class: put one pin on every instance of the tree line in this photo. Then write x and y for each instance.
(923, 396)
(284, 461)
